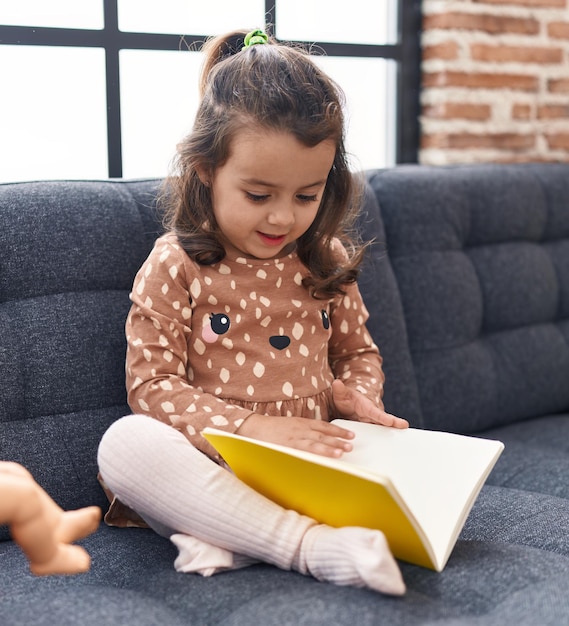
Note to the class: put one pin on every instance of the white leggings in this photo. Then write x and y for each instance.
(153, 469)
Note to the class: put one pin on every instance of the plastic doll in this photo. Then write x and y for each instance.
(40, 527)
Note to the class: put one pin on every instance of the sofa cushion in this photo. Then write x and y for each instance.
(386, 322)
(69, 254)
(481, 579)
(536, 457)
(480, 257)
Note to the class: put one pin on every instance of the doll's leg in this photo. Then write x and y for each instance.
(152, 468)
(40, 527)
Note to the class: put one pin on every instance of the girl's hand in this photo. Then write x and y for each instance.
(298, 432)
(353, 405)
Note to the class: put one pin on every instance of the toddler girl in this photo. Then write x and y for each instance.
(246, 316)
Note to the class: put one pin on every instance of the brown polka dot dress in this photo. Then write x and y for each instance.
(210, 345)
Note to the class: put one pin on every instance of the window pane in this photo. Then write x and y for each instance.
(52, 13)
(195, 17)
(370, 107)
(159, 99)
(52, 113)
(356, 21)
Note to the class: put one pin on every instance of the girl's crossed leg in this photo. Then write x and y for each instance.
(218, 522)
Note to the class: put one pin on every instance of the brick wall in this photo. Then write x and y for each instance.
(495, 81)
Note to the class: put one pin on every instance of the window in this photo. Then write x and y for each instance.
(106, 88)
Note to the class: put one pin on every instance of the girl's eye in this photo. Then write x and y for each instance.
(307, 199)
(255, 197)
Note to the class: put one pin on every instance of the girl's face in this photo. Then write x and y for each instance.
(267, 193)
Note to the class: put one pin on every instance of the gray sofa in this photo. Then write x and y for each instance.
(468, 289)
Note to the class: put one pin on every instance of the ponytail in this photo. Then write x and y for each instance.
(217, 49)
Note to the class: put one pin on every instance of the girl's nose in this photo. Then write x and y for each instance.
(282, 215)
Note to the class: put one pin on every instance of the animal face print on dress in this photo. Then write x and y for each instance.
(219, 324)
(256, 333)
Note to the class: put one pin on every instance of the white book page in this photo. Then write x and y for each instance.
(436, 473)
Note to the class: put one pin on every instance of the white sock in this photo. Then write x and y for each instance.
(153, 469)
(203, 558)
(359, 557)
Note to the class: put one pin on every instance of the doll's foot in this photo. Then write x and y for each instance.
(67, 560)
(78, 524)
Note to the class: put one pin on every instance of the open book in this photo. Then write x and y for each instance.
(416, 486)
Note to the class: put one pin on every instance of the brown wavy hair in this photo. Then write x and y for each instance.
(280, 88)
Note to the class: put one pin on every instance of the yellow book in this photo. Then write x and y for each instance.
(416, 486)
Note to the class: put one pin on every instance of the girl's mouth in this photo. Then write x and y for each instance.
(271, 240)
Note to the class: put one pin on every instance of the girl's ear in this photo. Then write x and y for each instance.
(204, 174)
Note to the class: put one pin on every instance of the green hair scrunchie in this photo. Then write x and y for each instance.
(254, 38)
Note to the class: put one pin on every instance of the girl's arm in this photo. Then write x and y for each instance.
(356, 363)
(158, 328)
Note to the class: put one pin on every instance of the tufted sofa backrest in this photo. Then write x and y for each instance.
(467, 285)
(378, 285)
(68, 255)
(481, 258)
